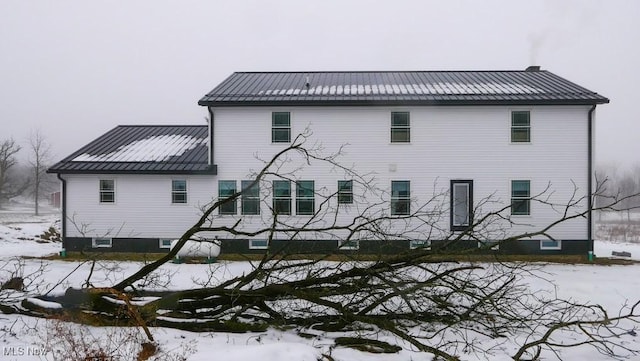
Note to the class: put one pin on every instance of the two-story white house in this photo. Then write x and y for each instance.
(426, 153)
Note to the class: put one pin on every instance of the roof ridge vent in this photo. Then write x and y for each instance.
(533, 68)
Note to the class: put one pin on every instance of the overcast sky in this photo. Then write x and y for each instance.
(75, 69)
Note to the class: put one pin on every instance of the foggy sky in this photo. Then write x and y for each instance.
(75, 69)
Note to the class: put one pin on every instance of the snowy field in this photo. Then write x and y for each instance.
(22, 338)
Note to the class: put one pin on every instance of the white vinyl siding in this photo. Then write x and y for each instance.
(361, 134)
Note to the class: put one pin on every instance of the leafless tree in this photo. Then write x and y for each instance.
(423, 297)
(8, 151)
(40, 158)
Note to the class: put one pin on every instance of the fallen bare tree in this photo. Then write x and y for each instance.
(444, 306)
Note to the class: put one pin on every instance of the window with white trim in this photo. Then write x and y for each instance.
(282, 197)
(179, 191)
(420, 243)
(107, 191)
(258, 244)
(520, 126)
(494, 246)
(165, 243)
(101, 242)
(349, 245)
(280, 127)
(400, 198)
(250, 200)
(305, 197)
(226, 188)
(520, 197)
(400, 127)
(550, 244)
(345, 192)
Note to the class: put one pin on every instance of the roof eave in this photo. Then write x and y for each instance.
(401, 102)
(211, 170)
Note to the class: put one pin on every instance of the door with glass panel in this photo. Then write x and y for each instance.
(461, 204)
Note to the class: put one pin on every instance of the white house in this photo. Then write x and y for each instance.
(430, 151)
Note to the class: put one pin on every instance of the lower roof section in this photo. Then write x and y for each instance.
(143, 149)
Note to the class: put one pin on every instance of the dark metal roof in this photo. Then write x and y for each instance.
(143, 149)
(528, 87)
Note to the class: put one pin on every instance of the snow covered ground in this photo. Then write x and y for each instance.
(22, 338)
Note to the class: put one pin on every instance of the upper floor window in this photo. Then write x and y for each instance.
(282, 197)
(107, 191)
(400, 198)
(305, 200)
(280, 127)
(520, 197)
(226, 189)
(178, 191)
(250, 202)
(345, 191)
(400, 127)
(521, 126)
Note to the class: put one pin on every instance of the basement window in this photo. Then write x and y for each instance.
(420, 244)
(349, 245)
(550, 244)
(494, 246)
(258, 244)
(99, 242)
(165, 243)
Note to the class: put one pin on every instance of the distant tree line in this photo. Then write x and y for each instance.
(28, 177)
(624, 183)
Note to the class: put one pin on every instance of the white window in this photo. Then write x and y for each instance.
(550, 244)
(350, 245)
(100, 242)
(258, 244)
(420, 243)
(107, 191)
(165, 243)
(520, 127)
(345, 192)
(400, 198)
(280, 127)
(179, 191)
(494, 246)
(400, 127)
(520, 197)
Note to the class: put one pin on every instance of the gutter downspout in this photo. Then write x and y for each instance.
(210, 136)
(63, 221)
(590, 182)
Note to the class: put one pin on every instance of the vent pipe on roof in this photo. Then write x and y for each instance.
(307, 84)
(533, 68)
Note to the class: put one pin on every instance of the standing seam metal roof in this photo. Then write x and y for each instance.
(143, 149)
(399, 87)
